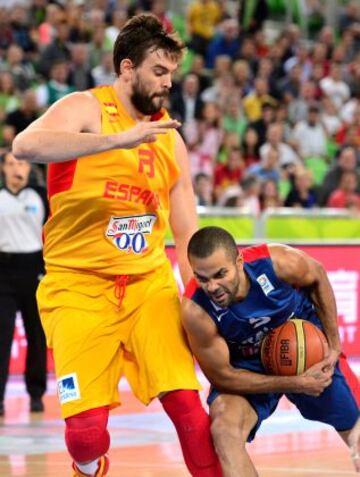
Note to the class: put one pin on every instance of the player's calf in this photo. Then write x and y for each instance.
(193, 428)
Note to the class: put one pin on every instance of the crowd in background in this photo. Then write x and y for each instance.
(269, 120)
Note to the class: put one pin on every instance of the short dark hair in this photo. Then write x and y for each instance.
(143, 33)
(205, 241)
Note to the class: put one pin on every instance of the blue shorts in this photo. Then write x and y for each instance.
(336, 406)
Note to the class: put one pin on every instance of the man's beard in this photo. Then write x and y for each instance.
(144, 102)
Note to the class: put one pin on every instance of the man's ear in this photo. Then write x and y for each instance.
(126, 67)
(240, 260)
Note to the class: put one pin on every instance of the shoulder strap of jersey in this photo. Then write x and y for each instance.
(250, 254)
(190, 288)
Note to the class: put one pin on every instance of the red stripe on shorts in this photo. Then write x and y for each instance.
(350, 377)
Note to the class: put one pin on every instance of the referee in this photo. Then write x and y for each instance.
(23, 210)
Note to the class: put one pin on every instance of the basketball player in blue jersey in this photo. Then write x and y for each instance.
(234, 300)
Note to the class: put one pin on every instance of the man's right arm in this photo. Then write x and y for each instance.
(212, 353)
(71, 128)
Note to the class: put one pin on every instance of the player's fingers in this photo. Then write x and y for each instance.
(170, 123)
(150, 138)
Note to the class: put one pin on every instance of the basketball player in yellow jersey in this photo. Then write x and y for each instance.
(109, 305)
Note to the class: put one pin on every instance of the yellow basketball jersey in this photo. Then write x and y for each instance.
(109, 211)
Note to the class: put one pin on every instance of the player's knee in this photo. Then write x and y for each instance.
(224, 432)
(227, 428)
(86, 434)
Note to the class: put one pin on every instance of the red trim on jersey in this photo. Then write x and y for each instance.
(191, 288)
(250, 254)
(60, 176)
(350, 377)
(157, 116)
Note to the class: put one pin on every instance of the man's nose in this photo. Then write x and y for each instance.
(212, 286)
(167, 81)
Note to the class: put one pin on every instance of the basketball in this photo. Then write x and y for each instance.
(292, 348)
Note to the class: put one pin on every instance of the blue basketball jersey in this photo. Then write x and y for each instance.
(269, 303)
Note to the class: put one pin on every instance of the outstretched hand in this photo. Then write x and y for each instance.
(145, 132)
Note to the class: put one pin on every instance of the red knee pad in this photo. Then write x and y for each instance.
(193, 427)
(86, 434)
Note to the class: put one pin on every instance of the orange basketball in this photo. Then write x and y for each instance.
(292, 348)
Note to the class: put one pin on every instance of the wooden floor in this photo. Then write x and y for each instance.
(144, 443)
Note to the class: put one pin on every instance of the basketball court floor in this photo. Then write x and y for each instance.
(144, 443)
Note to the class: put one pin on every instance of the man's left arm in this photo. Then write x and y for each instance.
(302, 271)
(183, 218)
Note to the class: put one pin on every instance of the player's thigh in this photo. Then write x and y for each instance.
(335, 406)
(159, 357)
(84, 334)
(232, 415)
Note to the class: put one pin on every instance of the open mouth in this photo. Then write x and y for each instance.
(220, 297)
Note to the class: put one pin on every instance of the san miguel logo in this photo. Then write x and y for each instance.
(129, 233)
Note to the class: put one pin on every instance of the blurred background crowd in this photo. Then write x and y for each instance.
(268, 93)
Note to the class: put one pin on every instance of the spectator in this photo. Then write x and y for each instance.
(57, 87)
(25, 114)
(222, 89)
(301, 59)
(242, 76)
(289, 87)
(334, 86)
(310, 135)
(159, 9)
(233, 119)
(9, 99)
(250, 147)
(58, 51)
(329, 117)
(98, 46)
(187, 104)
(80, 77)
(254, 101)
(104, 74)
(346, 195)
(118, 19)
(21, 28)
(268, 168)
(22, 71)
(210, 132)
(269, 195)
(47, 29)
(355, 123)
(274, 141)
(262, 124)
(302, 195)
(349, 16)
(202, 18)
(346, 162)
(229, 173)
(225, 42)
(198, 68)
(203, 189)
(24, 208)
